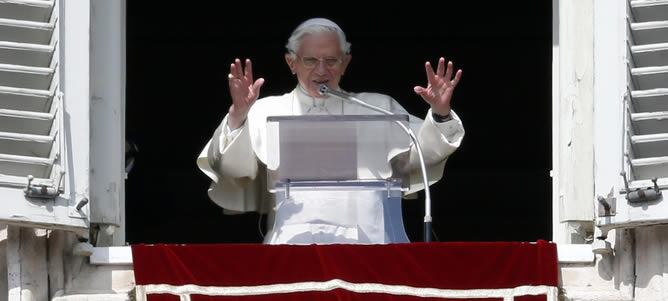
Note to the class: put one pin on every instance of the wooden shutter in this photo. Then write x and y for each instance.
(43, 135)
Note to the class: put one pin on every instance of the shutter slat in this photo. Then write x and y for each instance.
(649, 54)
(650, 161)
(26, 160)
(650, 77)
(659, 92)
(649, 10)
(26, 24)
(25, 76)
(649, 25)
(650, 123)
(650, 100)
(26, 46)
(21, 31)
(26, 144)
(650, 145)
(26, 137)
(26, 92)
(29, 10)
(26, 69)
(635, 139)
(23, 57)
(36, 3)
(26, 122)
(26, 115)
(649, 116)
(25, 103)
(17, 165)
(649, 32)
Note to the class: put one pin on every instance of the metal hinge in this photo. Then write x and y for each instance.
(608, 205)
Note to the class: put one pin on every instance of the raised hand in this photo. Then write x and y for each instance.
(440, 86)
(244, 92)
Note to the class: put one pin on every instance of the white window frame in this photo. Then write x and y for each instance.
(572, 126)
(107, 108)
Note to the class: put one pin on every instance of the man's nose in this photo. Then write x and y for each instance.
(321, 67)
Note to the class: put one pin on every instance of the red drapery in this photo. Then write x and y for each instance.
(423, 271)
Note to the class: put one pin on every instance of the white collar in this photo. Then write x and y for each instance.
(317, 105)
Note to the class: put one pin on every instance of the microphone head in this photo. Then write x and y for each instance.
(323, 89)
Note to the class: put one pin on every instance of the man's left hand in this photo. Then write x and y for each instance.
(440, 86)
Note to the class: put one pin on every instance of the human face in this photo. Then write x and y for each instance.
(319, 60)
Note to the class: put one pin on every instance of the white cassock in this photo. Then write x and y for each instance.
(236, 163)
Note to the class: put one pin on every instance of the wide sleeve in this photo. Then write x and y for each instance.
(438, 141)
(230, 162)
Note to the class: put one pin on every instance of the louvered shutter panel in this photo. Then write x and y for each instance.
(33, 138)
(29, 99)
(631, 103)
(647, 109)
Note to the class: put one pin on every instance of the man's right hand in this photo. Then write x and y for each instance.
(244, 92)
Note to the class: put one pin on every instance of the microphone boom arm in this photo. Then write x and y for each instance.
(325, 90)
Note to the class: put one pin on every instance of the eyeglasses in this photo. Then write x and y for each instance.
(312, 62)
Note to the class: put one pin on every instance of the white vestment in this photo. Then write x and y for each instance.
(236, 162)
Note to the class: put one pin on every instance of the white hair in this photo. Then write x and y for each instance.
(316, 25)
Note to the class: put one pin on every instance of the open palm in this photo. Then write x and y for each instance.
(440, 86)
(244, 92)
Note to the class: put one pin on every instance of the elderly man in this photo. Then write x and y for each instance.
(236, 156)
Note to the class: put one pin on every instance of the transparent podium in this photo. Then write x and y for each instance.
(342, 171)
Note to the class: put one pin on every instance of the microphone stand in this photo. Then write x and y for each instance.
(325, 90)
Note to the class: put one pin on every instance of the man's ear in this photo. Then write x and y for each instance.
(346, 61)
(290, 60)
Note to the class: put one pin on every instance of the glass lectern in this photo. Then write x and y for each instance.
(336, 152)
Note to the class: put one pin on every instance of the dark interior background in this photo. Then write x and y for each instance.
(496, 187)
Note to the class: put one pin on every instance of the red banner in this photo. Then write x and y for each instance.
(480, 270)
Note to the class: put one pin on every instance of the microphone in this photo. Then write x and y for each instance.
(324, 90)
